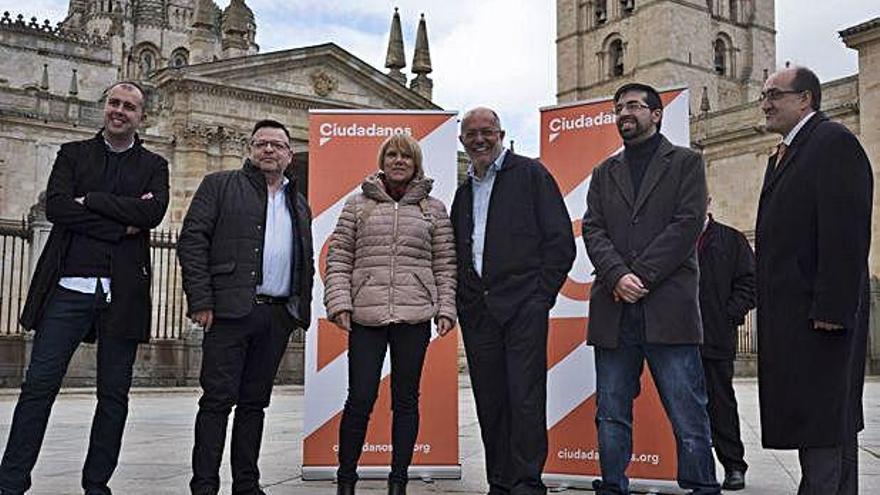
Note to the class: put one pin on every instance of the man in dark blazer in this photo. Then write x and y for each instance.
(812, 239)
(727, 293)
(248, 266)
(515, 247)
(645, 209)
(92, 281)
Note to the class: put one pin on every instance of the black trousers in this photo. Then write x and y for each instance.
(830, 470)
(508, 369)
(366, 352)
(723, 416)
(240, 358)
(68, 319)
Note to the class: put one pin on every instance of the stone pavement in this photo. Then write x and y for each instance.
(155, 455)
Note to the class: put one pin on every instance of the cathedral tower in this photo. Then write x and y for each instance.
(726, 46)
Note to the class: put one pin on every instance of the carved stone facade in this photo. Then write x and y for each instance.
(199, 115)
(673, 42)
(206, 87)
(723, 45)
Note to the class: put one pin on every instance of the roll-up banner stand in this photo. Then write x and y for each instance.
(575, 138)
(343, 150)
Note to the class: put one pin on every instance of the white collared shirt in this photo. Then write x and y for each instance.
(482, 193)
(277, 244)
(789, 138)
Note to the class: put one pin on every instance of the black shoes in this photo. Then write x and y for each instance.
(393, 488)
(345, 488)
(396, 488)
(734, 480)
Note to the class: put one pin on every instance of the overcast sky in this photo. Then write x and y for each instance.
(501, 53)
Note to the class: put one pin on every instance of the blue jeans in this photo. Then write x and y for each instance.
(68, 318)
(678, 373)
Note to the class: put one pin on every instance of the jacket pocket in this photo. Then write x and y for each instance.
(220, 268)
(430, 289)
(356, 289)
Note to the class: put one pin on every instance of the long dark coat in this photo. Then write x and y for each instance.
(812, 239)
(652, 234)
(77, 172)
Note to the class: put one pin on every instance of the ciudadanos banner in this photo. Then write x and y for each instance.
(343, 150)
(575, 138)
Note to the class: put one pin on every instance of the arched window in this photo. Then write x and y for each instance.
(179, 58)
(601, 11)
(146, 63)
(720, 56)
(147, 60)
(734, 10)
(615, 58)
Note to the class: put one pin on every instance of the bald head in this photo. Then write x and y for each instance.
(788, 96)
(482, 137)
(481, 111)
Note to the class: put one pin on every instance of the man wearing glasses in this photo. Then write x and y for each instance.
(645, 210)
(247, 259)
(515, 247)
(812, 238)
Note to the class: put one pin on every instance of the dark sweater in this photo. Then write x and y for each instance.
(89, 256)
(637, 156)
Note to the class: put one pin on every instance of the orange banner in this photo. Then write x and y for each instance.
(343, 148)
(576, 138)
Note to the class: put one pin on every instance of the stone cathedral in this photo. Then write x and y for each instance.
(207, 84)
(722, 50)
(206, 79)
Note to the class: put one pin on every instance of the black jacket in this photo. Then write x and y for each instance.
(727, 287)
(812, 239)
(529, 246)
(221, 245)
(652, 234)
(77, 171)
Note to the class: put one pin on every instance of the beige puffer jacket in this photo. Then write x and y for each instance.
(391, 262)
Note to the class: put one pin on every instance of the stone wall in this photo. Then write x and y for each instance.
(25, 49)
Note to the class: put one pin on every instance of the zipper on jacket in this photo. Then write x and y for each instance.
(393, 262)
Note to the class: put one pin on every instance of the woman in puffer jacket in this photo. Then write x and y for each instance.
(390, 271)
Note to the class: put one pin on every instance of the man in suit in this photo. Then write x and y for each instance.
(645, 211)
(92, 281)
(812, 239)
(248, 265)
(727, 293)
(515, 247)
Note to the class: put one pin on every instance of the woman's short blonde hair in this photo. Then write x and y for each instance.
(406, 144)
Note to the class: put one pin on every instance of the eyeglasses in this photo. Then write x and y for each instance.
(630, 106)
(485, 133)
(278, 145)
(776, 94)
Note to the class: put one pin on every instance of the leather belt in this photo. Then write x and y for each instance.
(264, 299)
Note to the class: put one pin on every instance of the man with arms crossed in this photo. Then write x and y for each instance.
(92, 281)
